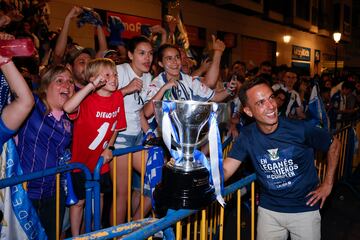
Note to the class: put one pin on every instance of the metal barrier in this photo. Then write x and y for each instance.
(90, 184)
(206, 222)
(345, 157)
(149, 227)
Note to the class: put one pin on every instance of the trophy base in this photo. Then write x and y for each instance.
(180, 189)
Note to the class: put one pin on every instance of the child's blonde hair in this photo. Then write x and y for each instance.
(93, 67)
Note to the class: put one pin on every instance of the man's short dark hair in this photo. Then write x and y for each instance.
(248, 85)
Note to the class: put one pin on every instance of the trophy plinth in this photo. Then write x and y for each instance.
(185, 181)
(183, 189)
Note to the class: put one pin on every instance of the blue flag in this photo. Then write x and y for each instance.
(20, 218)
(153, 170)
(317, 112)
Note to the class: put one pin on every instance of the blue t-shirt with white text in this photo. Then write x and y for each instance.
(284, 162)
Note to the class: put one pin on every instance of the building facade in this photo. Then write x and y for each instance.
(253, 30)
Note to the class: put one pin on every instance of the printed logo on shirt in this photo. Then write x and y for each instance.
(107, 114)
(273, 153)
(278, 168)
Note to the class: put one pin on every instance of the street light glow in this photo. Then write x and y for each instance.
(337, 37)
(286, 38)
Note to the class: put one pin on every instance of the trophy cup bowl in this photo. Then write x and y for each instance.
(185, 183)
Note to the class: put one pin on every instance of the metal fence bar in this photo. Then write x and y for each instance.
(116, 231)
(238, 214)
(57, 202)
(178, 215)
(89, 184)
(252, 210)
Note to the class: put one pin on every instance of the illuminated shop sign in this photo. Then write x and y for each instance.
(132, 25)
(300, 53)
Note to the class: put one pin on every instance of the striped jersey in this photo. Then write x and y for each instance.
(42, 140)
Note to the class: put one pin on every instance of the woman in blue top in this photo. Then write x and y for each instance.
(42, 140)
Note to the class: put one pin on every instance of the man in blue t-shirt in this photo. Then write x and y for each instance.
(282, 153)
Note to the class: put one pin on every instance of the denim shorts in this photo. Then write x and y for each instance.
(124, 141)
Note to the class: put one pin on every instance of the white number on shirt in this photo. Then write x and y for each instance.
(101, 134)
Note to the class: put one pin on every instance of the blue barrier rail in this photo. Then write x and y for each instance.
(90, 184)
(171, 218)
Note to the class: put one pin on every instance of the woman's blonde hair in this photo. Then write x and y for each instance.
(93, 67)
(46, 78)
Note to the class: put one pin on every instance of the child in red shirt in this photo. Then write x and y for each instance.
(98, 114)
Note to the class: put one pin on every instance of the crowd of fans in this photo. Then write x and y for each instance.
(78, 91)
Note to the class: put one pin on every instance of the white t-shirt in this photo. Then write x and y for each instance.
(133, 102)
(189, 88)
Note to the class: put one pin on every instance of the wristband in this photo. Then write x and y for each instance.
(112, 148)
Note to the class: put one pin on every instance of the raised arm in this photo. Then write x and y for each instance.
(324, 189)
(16, 112)
(212, 74)
(101, 38)
(102, 41)
(73, 103)
(61, 42)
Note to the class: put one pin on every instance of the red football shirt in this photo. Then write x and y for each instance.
(94, 124)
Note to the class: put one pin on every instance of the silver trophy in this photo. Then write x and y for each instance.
(185, 181)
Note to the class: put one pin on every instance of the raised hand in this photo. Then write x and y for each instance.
(217, 44)
(157, 29)
(74, 12)
(98, 81)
